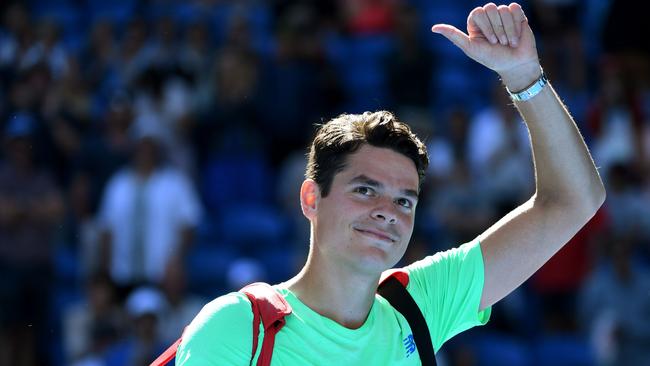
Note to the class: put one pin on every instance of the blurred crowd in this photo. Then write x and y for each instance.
(152, 153)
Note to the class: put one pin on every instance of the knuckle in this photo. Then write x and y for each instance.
(476, 10)
(490, 6)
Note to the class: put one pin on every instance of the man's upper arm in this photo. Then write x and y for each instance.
(221, 334)
(521, 242)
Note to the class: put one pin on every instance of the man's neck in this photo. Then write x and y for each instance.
(335, 293)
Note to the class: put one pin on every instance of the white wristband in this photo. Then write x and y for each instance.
(530, 91)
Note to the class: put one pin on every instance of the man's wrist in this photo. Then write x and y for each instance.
(529, 92)
(521, 77)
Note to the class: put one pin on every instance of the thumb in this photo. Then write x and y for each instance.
(456, 36)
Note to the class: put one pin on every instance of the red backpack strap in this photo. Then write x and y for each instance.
(270, 308)
(399, 274)
(168, 355)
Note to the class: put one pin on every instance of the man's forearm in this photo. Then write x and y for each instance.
(565, 173)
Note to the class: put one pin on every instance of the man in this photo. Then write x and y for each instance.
(360, 195)
(148, 214)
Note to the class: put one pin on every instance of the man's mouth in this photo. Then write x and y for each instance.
(377, 234)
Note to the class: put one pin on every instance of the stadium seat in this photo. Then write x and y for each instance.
(573, 350)
(494, 349)
(237, 179)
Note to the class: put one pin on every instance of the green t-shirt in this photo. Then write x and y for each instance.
(446, 286)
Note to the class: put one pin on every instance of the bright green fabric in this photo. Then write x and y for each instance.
(447, 286)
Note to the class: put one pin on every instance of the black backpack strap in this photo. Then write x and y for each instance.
(393, 289)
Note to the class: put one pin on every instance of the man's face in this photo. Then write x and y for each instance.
(366, 221)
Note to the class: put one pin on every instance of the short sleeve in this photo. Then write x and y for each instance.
(448, 287)
(221, 334)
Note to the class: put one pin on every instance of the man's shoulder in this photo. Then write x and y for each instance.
(455, 254)
(229, 307)
(230, 311)
(220, 334)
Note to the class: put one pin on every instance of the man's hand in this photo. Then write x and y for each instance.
(500, 39)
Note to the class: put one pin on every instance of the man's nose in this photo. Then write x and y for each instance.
(385, 212)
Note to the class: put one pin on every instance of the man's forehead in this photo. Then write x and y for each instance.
(383, 166)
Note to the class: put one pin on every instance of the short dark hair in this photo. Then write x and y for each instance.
(345, 134)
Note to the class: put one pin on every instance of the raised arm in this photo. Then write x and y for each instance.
(568, 188)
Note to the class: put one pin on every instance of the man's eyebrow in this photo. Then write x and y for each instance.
(366, 180)
(376, 184)
(410, 193)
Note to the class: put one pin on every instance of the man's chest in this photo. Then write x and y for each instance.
(385, 343)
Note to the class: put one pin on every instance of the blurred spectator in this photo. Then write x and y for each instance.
(368, 16)
(449, 188)
(447, 145)
(229, 112)
(460, 206)
(149, 212)
(410, 66)
(163, 48)
(107, 147)
(99, 59)
(142, 345)
(133, 58)
(29, 87)
(30, 208)
(91, 326)
(182, 306)
(81, 230)
(290, 177)
(629, 209)
(67, 109)
(560, 40)
(19, 38)
(48, 50)
(298, 84)
(70, 96)
(196, 54)
(616, 119)
(615, 305)
(555, 286)
(499, 152)
(621, 40)
(162, 98)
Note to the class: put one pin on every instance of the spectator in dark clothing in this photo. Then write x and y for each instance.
(30, 207)
(410, 67)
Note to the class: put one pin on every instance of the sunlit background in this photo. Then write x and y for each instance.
(152, 153)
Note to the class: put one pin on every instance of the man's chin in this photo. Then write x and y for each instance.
(376, 260)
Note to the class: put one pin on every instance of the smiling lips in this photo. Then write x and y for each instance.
(378, 234)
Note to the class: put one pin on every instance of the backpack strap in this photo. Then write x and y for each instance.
(269, 308)
(168, 355)
(392, 287)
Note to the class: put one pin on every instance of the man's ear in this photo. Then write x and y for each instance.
(309, 198)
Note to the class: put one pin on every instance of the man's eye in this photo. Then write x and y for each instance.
(404, 202)
(366, 191)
